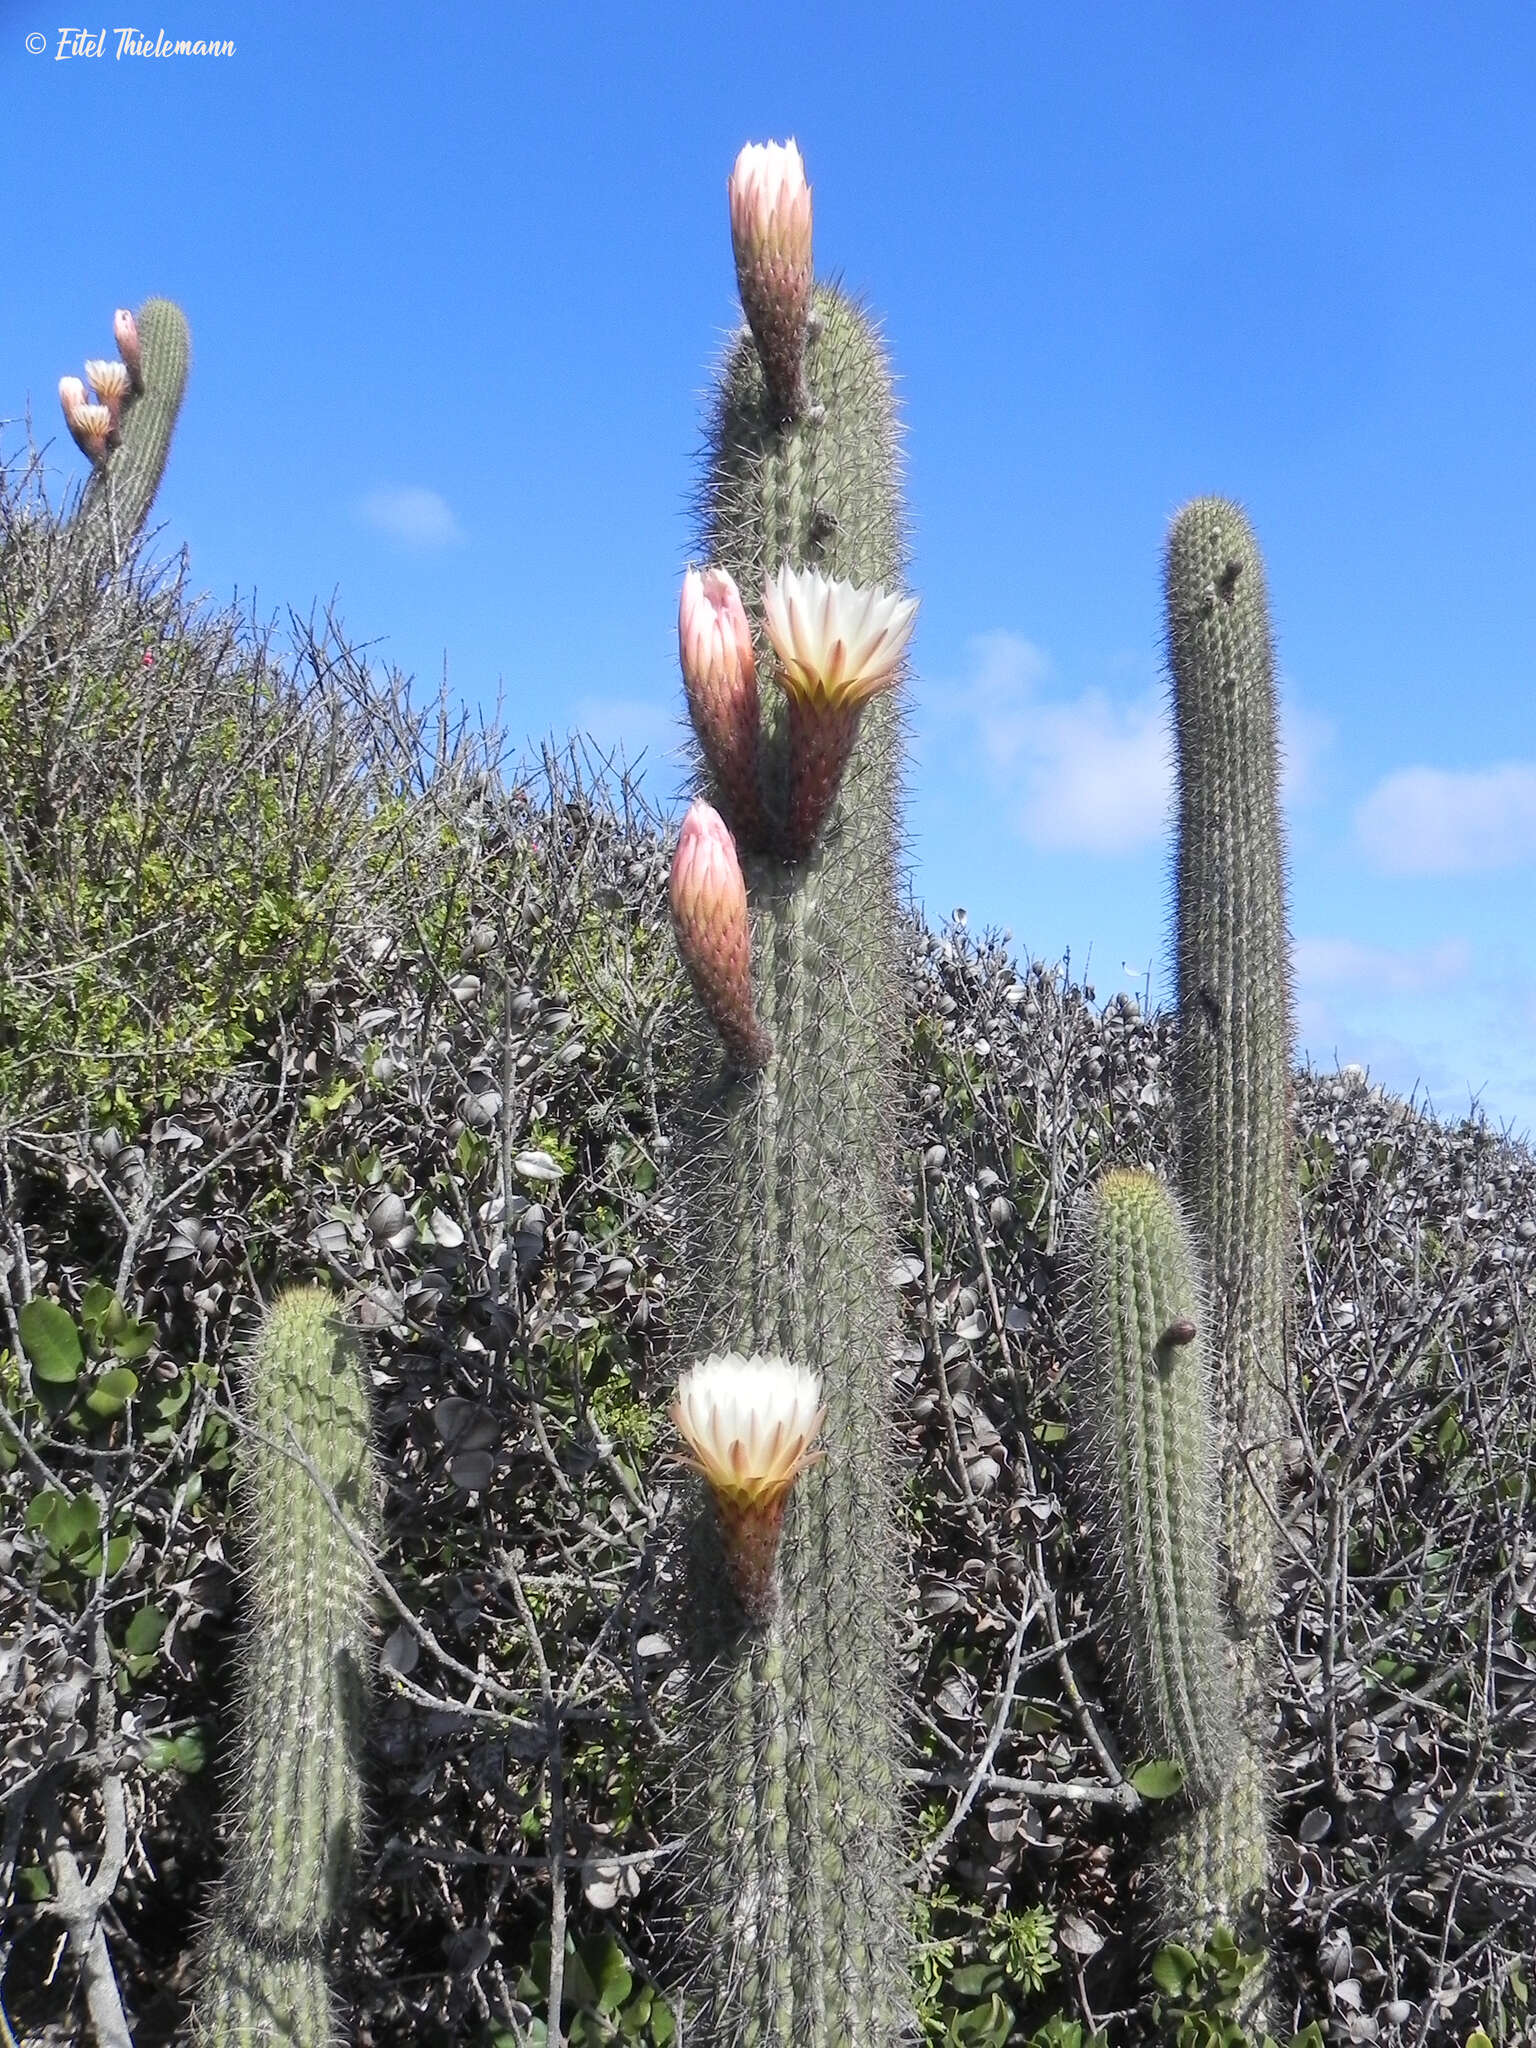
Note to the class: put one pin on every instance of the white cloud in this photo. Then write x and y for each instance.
(1305, 737)
(631, 726)
(1380, 970)
(1438, 821)
(415, 517)
(1092, 772)
(1086, 773)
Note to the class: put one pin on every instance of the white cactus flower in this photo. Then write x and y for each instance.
(838, 643)
(749, 1424)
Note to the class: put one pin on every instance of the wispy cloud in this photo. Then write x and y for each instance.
(414, 517)
(1439, 821)
(1088, 771)
(1380, 970)
(632, 726)
(1085, 773)
(1305, 739)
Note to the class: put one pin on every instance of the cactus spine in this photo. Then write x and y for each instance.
(1144, 1455)
(302, 1686)
(1232, 1086)
(798, 1907)
(122, 488)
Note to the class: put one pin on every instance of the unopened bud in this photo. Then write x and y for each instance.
(750, 1425)
(125, 330)
(709, 915)
(720, 677)
(771, 235)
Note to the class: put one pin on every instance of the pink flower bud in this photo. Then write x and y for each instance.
(111, 384)
(125, 330)
(771, 235)
(839, 644)
(90, 424)
(709, 915)
(720, 676)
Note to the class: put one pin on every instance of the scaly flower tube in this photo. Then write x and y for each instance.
(720, 677)
(750, 1425)
(709, 916)
(839, 644)
(771, 236)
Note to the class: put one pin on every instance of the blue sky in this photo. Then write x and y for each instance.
(457, 281)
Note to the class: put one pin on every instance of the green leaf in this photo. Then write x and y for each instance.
(1173, 1968)
(610, 1973)
(112, 1392)
(133, 1340)
(663, 2025)
(187, 1753)
(1159, 1779)
(145, 1630)
(51, 1341)
(101, 1311)
(974, 1980)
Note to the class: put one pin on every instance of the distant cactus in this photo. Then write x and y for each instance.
(156, 347)
(1232, 1085)
(799, 1912)
(303, 1685)
(1144, 1454)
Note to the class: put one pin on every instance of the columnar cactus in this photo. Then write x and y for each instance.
(127, 433)
(1144, 1456)
(303, 1685)
(1233, 1087)
(798, 1907)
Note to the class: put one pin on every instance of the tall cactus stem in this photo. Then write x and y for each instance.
(798, 1908)
(122, 488)
(1232, 1082)
(1143, 1450)
(302, 1685)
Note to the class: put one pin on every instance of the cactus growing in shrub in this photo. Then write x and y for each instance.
(797, 1902)
(1144, 1457)
(1232, 1083)
(127, 433)
(302, 1685)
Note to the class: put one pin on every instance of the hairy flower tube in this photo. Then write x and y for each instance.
(90, 424)
(771, 235)
(838, 645)
(720, 677)
(125, 331)
(750, 1425)
(709, 916)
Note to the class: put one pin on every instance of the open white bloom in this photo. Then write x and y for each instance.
(90, 424)
(749, 1424)
(111, 383)
(838, 643)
